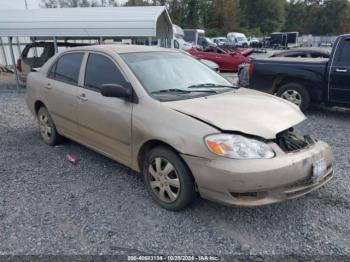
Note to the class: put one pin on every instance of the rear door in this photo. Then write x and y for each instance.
(339, 79)
(104, 122)
(61, 90)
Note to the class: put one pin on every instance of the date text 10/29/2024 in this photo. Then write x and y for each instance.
(173, 258)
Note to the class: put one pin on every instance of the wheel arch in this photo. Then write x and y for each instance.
(149, 145)
(282, 80)
(37, 105)
(315, 91)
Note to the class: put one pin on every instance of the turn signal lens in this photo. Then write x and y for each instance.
(218, 148)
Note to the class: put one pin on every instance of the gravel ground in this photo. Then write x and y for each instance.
(48, 206)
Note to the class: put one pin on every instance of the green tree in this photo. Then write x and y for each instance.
(253, 17)
(192, 13)
(265, 16)
(222, 15)
(296, 15)
(336, 17)
(137, 3)
(327, 17)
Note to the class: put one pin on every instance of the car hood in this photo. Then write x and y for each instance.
(243, 110)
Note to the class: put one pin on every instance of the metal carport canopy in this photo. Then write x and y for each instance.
(94, 22)
(145, 21)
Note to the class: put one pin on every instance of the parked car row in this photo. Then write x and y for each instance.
(234, 40)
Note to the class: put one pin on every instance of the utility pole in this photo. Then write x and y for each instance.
(25, 2)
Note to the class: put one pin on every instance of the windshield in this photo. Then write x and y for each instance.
(209, 40)
(174, 74)
(241, 39)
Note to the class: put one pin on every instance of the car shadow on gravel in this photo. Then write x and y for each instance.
(328, 111)
(330, 200)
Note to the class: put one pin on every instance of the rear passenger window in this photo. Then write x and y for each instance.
(67, 68)
(101, 70)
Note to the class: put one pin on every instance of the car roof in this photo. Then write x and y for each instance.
(121, 49)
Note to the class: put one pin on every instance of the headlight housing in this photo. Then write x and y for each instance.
(238, 147)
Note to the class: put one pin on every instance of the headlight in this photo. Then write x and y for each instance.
(239, 147)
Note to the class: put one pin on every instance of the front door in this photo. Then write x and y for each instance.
(339, 79)
(104, 122)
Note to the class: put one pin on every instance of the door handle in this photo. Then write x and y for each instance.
(48, 86)
(82, 97)
(341, 70)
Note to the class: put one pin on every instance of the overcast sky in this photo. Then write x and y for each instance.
(19, 4)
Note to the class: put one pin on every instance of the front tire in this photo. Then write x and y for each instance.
(47, 128)
(168, 179)
(295, 93)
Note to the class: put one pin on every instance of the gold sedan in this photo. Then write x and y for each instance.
(182, 125)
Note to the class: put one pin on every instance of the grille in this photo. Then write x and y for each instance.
(288, 141)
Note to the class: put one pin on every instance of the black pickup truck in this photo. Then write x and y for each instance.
(305, 80)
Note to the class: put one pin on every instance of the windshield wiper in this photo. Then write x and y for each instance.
(171, 90)
(181, 91)
(211, 85)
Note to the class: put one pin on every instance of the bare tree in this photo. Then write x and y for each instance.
(77, 3)
(49, 4)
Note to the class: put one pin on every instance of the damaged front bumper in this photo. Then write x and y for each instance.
(261, 181)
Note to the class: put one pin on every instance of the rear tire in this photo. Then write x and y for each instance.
(47, 128)
(168, 179)
(296, 94)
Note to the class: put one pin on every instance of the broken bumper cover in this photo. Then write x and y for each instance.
(261, 181)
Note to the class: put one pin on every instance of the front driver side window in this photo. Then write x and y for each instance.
(101, 70)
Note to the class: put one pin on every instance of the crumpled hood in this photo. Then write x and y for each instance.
(243, 110)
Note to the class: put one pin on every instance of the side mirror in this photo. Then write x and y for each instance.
(115, 90)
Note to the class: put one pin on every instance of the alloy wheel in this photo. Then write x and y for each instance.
(292, 96)
(45, 126)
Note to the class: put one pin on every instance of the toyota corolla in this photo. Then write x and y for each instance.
(184, 127)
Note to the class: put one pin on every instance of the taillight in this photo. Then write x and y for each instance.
(250, 69)
(18, 65)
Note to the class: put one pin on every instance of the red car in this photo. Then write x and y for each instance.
(226, 61)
